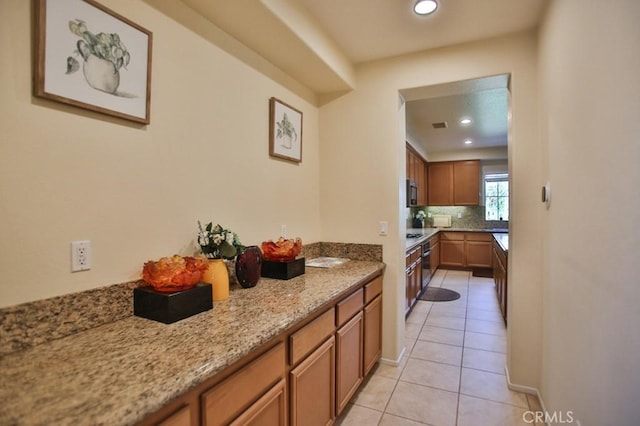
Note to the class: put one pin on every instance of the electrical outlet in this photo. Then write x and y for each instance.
(283, 231)
(80, 256)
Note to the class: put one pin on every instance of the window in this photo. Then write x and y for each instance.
(496, 196)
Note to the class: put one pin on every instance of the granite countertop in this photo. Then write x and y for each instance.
(121, 372)
(430, 232)
(503, 241)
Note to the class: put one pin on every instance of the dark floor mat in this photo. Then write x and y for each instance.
(437, 294)
(483, 272)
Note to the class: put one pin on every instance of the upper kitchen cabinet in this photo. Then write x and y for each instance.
(417, 172)
(466, 183)
(454, 183)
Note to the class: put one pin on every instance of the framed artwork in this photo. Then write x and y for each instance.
(285, 131)
(91, 57)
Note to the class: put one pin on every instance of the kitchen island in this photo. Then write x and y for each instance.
(119, 373)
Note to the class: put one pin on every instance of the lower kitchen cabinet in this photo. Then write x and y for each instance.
(313, 388)
(372, 334)
(226, 401)
(304, 376)
(452, 249)
(500, 277)
(271, 409)
(349, 360)
(466, 249)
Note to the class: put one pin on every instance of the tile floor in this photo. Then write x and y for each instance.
(452, 371)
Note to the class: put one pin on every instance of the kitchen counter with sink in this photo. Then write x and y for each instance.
(120, 372)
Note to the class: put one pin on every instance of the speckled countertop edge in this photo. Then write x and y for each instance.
(121, 372)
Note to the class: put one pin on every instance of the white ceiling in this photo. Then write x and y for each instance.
(319, 42)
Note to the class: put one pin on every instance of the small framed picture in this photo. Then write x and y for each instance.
(91, 57)
(285, 131)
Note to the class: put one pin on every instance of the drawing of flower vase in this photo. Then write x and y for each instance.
(286, 132)
(103, 55)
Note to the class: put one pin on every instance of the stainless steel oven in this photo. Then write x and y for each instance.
(412, 193)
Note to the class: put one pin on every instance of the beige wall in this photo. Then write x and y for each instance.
(363, 171)
(137, 191)
(589, 62)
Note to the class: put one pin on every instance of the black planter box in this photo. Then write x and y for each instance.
(171, 307)
(282, 270)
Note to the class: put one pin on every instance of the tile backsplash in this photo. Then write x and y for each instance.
(472, 217)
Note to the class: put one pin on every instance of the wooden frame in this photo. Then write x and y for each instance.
(91, 57)
(285, 131)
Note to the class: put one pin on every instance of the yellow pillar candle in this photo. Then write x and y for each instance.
(218, 276)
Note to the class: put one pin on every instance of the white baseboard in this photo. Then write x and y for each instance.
(393, 362)
(524, 389)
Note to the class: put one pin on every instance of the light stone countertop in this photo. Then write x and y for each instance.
(119, 373)
(503, 241)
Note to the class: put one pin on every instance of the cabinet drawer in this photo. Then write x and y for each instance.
(302, 342)
(182, 417)
(349, 307)
(479, 236)
(372, 289)
(452, 236)
(225, 401)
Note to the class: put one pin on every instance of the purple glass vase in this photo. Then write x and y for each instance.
(248, 266)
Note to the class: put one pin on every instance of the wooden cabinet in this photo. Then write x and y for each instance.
(454, 183)
(313, 387)
(452, 249)
(304, 376)
(372, 334)
(500, 277)
(413, 275)
(349, 360)
(271, 409)
(434, 258)
(226, 401)
(417, 172)
(466, 249)
(466, 183)
(440, 181)
(478, 249)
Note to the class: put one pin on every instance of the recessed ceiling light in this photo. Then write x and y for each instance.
(468, 142)
(465, 121)
(425, 7)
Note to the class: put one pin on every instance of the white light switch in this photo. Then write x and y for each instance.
(384, 227)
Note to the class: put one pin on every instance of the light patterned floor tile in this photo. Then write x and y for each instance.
(423, 404)
(491, 386)
(446, 322)
(475, 411)
(484, 360)
(356, 415)
(391, 371)
(438, 352)
(488, 327)
(442, 335)
(391, 420)
(432, 374)
(486, 342)
(412, 330)
(376, 393)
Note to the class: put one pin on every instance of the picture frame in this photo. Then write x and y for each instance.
(285, 131)
(91, 57)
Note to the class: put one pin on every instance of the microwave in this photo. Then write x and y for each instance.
(412, 193)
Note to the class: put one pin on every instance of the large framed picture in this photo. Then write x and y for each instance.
(91, 57)
(285, 131)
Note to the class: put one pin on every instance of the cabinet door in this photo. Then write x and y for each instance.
(440, 180)
(466, 183)
(409, 274)
(182, 417)
(270, 410)
(313, 388)
(372, 334)
(349, 356)
(227, 400)
(452, 253)
(479, 254)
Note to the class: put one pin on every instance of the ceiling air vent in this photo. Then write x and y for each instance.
(440, 125)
